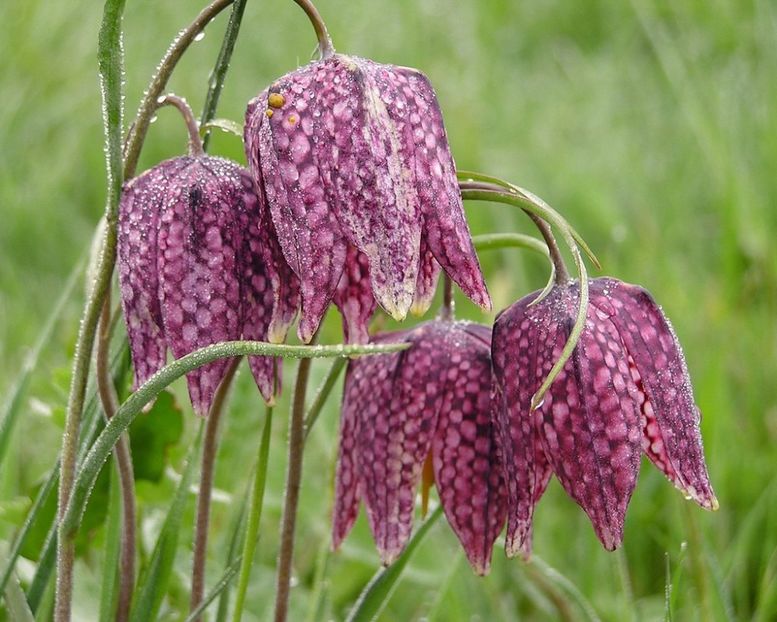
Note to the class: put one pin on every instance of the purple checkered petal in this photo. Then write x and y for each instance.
(353, 152)
(197, 265)
(445, 225)
(141, 202)
(426, 285)
(519, 360)
(354, 297)
(279, 140)
(670, 417)
(466, 467)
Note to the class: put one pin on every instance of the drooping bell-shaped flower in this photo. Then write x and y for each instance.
(624, 391)
(431, 401)
(199, 264)
(353, 156)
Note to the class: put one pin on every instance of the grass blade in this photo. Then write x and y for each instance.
(12, 405)
(156, 577)
(223, 583)
(235, 538)
(15, 601)
(109, 592)
(378, 591)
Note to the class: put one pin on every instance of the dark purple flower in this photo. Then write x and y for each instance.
(353, 155)
(199, 264)
(432, 399)
(624, 391)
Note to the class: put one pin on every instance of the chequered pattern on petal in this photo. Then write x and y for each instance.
(435, 397)
(197, 262)
(466, 467)
(519, 361)
(624, 390)
(280, 148)
(426, 285)
(354, 297)
(368, 384)
(362, 152)
(269, 290)
(445, 226)
(670, 416)
(351, 151)
(141, 202)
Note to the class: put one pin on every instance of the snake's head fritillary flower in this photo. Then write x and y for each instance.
(353, 157)
(199, 264)
(427, 406)
(624, 391)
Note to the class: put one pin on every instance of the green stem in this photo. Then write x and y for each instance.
(493, 241)
(127, 412)
(532, 204)
(291, 496)
(219, 73)
(254, 517)
(156, 87)
(208, 464)
(323, 393)
(111, 68)
(195, 142)
(110, 403)
(325, 47)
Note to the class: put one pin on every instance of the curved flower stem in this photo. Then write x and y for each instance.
(325, 47)
(291, 496)
(528, 202)
(254, 517)
(110, 404)
(219, 73)
(209, 449)
(111, 68)
(562, 274)
(447, 307)
(127, 412)
(139, 129)
(195, 142)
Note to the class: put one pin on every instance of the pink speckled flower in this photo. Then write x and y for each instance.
(429, 401)
(199, 264)
(624, 391)
(355, 163)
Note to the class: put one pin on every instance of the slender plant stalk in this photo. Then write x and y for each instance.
(111, 68)
(110, 404)
(325, 47)
(447, 308)
(209, 449)
(156, 87)
(219, 73)
(323, 393)
(254, 517)
(195, 142)
(291, 496)
(492, 241)
(488, 191)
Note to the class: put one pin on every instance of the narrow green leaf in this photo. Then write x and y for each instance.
(323, 393)
(152, 586)
(493, 241)
(91, 422)
(15, 601)
(109, 591)
(235, 538)
(378, 591)
(221, 585)
(254, 517)
(569, 588)
(9, 413)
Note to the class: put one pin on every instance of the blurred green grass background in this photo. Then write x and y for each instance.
(650, 124)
